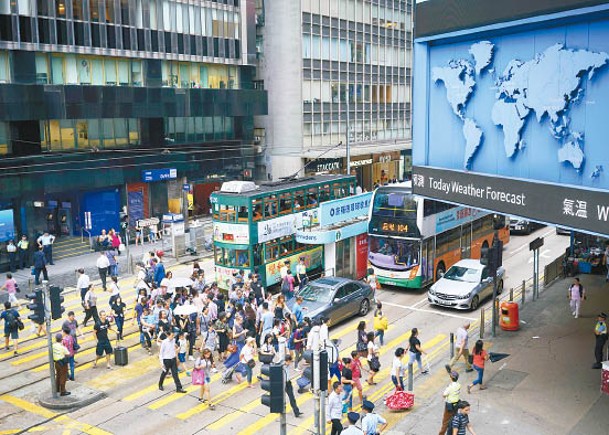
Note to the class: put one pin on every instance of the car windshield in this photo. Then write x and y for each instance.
(314, 293)
(460, 273)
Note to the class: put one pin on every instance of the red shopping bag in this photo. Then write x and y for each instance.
(400, 400)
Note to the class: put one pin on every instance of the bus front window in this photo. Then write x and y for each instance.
(394, 254)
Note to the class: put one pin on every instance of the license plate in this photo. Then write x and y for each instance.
(441, 302)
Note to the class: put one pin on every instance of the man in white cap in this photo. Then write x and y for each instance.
(371, 421)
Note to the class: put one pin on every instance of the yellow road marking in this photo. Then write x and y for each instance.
(39, 410)
(9, 431)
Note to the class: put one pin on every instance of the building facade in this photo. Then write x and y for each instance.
(330, 67)
(110, 106)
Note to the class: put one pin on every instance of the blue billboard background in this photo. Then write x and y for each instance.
(531, 104)
(7, 226)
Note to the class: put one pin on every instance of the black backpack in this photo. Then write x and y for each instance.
(11, 320)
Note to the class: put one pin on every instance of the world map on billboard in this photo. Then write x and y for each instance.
(518, 103)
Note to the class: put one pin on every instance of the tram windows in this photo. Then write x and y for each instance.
(286, 246)
(227, 213)
(270, 207)
(299, 200)
(258, 255)
(257, 206)
(219, 255)
(242, 258)
(324, 192)
(242, 215)
(271, 251)
(312, 200)
(285, 203)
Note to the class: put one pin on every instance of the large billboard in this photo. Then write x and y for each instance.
(523, 102)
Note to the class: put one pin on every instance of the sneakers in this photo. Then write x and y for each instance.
(483, 387)
(297, 414)
(425, 372)
(180, 390)
(65, 393)
(597, 366)
(161, 388)
(469, 370)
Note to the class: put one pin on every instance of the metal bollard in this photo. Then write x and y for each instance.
(524, 286)
(29, 284)
(410, 377)
(452, 346)
(511, 294)
(481, 324)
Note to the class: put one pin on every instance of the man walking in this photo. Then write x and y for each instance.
(83, 283)
(451, 399)
(460, 422)
(288, 386)
(167, 356)
(461, 342)
(102, 268)
(334, 412)
(46, 243)
(101, 329)
(23, 247)
(60, 360)
(576, 295)
(40, 265)
(11, 326)
(600, 332)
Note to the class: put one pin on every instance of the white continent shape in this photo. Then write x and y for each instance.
(482, 52)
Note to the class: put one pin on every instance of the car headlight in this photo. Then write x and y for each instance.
(432, 291)
(465, 296)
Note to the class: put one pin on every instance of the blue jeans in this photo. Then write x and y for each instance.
(347, 390)
(398, 382)
(381, 335)
(480, 371)
(120, 321)
(413, 356)
(248, 373)
(71, 365)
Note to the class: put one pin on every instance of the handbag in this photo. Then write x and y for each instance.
(17, 289)
(76, 347)
(251, 364)
(470, 358)
(198, 377)
(375, 364)
(20, 324)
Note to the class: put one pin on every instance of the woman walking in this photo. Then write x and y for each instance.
(373, 358)
(90, 306)
(362, 340)
(118, 308)
(480, 356)
(222, 330)
(247, 362)
(397, 369)
(200, 376)
(415, 350)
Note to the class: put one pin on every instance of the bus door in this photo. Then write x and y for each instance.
(466, 240)
(427, 259)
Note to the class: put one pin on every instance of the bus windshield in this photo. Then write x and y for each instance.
(394, 254)
(393, 203)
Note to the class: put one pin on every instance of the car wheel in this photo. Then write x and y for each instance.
(475, 303)
(440, 270)
(364, 307)
(500, 287)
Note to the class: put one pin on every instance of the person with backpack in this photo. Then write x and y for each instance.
(576, 295)
(11, 326)
(287, 284)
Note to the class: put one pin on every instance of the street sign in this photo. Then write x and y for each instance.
(186, 187)
(151, 175)
(536, 244)
(147, 222)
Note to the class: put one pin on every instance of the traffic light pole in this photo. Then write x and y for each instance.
(322, 412)
(47, 319)
(315, 388)
(494, 319)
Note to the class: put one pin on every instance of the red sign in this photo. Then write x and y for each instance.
(361, 262)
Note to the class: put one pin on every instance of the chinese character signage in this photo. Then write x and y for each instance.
(231, 233)
(580, 209)
(340, 210)
(285, 225)
(313, 260)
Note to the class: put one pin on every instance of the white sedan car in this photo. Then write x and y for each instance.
(464, 285)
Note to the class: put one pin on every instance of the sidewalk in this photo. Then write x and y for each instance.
(63, 272)
(547, 385)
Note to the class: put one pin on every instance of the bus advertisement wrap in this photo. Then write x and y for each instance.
(313, 260)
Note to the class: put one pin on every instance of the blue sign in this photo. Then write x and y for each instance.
(322, 237)
(159, 175)
(526, 102)
(7, 227)
(186, 187)
(344, 209)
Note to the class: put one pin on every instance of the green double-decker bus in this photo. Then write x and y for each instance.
(255, 225)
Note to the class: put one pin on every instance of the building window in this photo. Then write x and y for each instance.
(4, 67)
(4, 141)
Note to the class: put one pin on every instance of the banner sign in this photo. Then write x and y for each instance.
(586, 210)
(321, 237)
(344, 209)
(285, 225)
(237, 234)
(313, 260)
(151, 175)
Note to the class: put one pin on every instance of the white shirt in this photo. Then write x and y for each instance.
(83, 281)
(372, 349)
(335, 406)
(11, 247)
(398, 367)
(370, 423)
(313, 338)
(114, 288)
(168, 349)
(324, 335)
(462, 338)
(46, 240)
(351, 430)
(247, 353)
(102, 262)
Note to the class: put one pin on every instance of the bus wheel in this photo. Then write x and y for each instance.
(440, 270)
(475, 303)
(364, 307)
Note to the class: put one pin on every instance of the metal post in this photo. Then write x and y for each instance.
(283, 424)
(511, 294)
(185, 204)
(47, 318)
(322, 412)
(348, 152)
(315, 390)
(410, 377)
(524, 286)
(129, 266)
(452, 346)
(482, 324)
(29, 284)
(494, 319)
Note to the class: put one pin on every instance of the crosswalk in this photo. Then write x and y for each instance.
(238, 408)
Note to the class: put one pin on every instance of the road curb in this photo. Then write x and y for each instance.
(80, 396)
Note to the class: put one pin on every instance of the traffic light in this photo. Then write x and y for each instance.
(275, 385)
(37, 306)
(323, 370)
(309, 371)
(56, 300)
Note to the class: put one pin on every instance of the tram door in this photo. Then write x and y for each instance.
(466, 240)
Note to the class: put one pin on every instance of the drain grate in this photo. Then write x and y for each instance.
(507, 379)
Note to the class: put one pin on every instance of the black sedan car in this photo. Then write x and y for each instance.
(335, 298)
